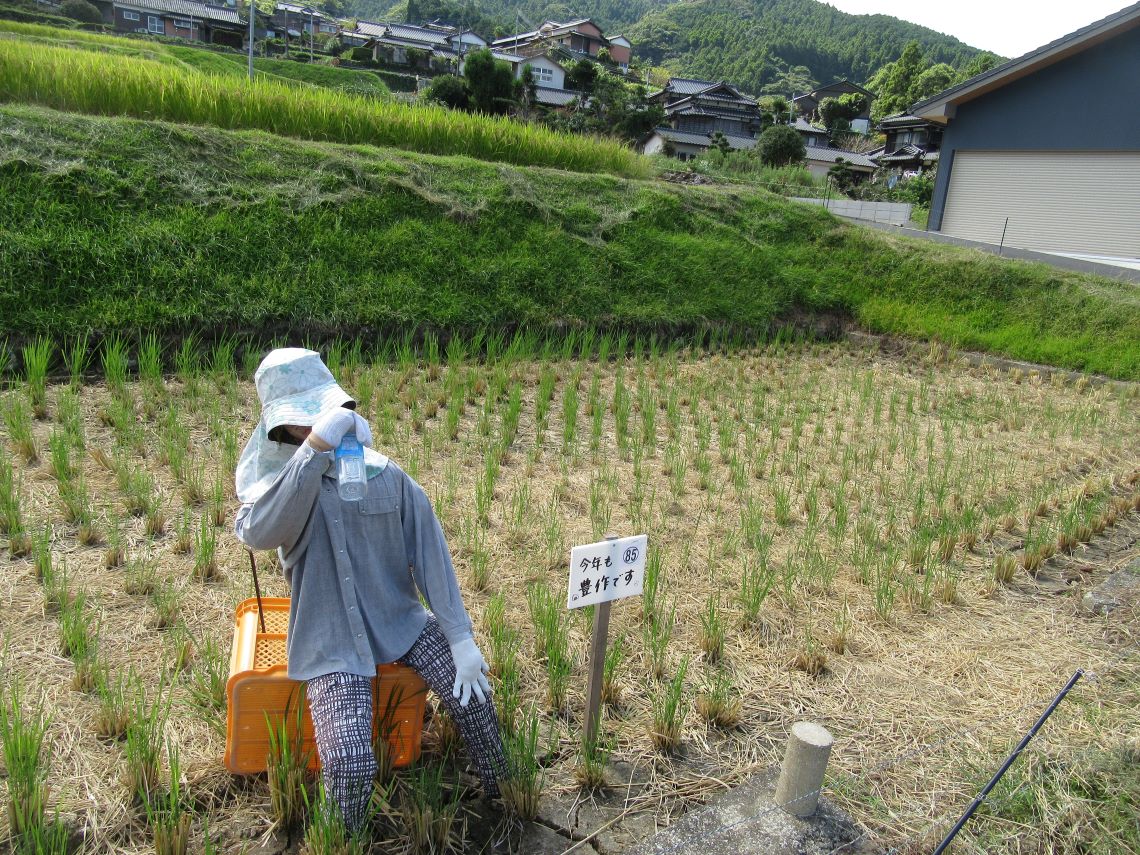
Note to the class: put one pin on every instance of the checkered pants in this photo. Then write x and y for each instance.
(341, 705)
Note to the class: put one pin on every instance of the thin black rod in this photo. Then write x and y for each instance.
(256, 590)
(1008, 762)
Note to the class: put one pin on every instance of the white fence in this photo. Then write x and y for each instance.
(895, 213)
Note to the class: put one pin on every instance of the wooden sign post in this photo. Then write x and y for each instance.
(600, 573)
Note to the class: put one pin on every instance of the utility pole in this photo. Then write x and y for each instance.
(310, 34)
(252, 15)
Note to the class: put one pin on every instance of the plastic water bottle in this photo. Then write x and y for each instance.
(352, 484)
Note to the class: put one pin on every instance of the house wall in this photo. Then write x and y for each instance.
(556, 78)
(683, 151)
(620, 54)
(1084, 103)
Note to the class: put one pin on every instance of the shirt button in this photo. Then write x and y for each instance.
(352, 608)
(358, 635)
(346, 578)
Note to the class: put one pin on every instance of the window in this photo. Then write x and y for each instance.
(328, 28)
(540, 74)
(154, 25)
(128, 15)
(182, 23)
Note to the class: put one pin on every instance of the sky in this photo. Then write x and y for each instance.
(1009, 28)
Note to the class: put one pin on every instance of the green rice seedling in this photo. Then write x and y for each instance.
(615, 658)
(810, 657)
(651, 584)
(755, 584)
(205, 551)
(184, 533)
(570, 414)
(593, 755)
(947, 586)
(782, 504)
(167, 813)
(840, 638)
(18, 420)
(600, 511)
(150, 360)
(669, 710)
(885, 587)
(288, 764)
(114, 712)
(480, 569)
(57, 589)
(216, 502)
(221, 362)
(78, 640)
(1004, 568)
(42, 555)
(326, 833)
(142, 747)
(656, 634)
(207, 687)
(37, 359)
(675, 467)
(167, 603)
(59, 448)
(77, 358)
(115, 364)
(521, 788)
(718, 702)
(430, 813)
(712, 629)
(648, 406)
(116, 551)
(179, 648)
(23, 728)
(69, 418)
(187, 360)
(508, 688)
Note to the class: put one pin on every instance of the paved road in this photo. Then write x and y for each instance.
(1123, 269)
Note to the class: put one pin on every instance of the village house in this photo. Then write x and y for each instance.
(181, 19)
(583, 39)
(807, 105)
(292, 21)
(912, 143)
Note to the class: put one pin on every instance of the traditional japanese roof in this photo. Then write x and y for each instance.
(690, 138)
(186, 8)
(294, 9)
(804, 126)
(688, 85)
(407, 32)
(906, 152)
(831, 155)
(940, 108)
(902, 120)
(370, 28)
(554, 97)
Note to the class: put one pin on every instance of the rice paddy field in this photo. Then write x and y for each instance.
(111, 76)
(892, 545)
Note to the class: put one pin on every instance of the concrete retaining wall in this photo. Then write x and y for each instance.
(895, 213)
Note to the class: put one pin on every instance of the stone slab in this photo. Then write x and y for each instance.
(747, 821)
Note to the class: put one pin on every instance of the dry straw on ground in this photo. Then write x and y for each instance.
(841, 474)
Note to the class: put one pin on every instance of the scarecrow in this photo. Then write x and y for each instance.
(356, 570)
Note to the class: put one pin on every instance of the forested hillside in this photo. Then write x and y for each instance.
(784, 45)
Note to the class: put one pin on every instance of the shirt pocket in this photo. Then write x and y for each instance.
(379, 505)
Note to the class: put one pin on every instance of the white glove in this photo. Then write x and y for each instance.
(470, 672)
(333, 424)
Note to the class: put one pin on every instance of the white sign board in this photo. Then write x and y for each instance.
(607, 570)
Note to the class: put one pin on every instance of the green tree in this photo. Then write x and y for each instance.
(841, 175)
(894, 81)
(774, 110)
(791, 81)
(980, 64)
(582, 76)
(932, 81)
(449, 90)
(780, 145)
(489, 82)
(81, 10)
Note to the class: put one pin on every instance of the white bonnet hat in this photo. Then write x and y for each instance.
(295, 387)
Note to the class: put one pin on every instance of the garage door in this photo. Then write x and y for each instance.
(1056, 201)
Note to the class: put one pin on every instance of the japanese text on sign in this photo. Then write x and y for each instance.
(607, 570)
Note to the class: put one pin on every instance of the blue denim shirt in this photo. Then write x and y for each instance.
(354, 568)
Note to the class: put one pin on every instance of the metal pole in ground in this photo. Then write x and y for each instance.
(801, 774)
(1008, 762)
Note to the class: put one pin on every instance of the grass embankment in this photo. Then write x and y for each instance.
(125, 225)
(113, 84)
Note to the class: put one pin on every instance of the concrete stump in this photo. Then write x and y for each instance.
(801, 775)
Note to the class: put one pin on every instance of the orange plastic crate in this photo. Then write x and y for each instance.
(259, 687)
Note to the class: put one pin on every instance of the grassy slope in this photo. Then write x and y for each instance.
(116, 224)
